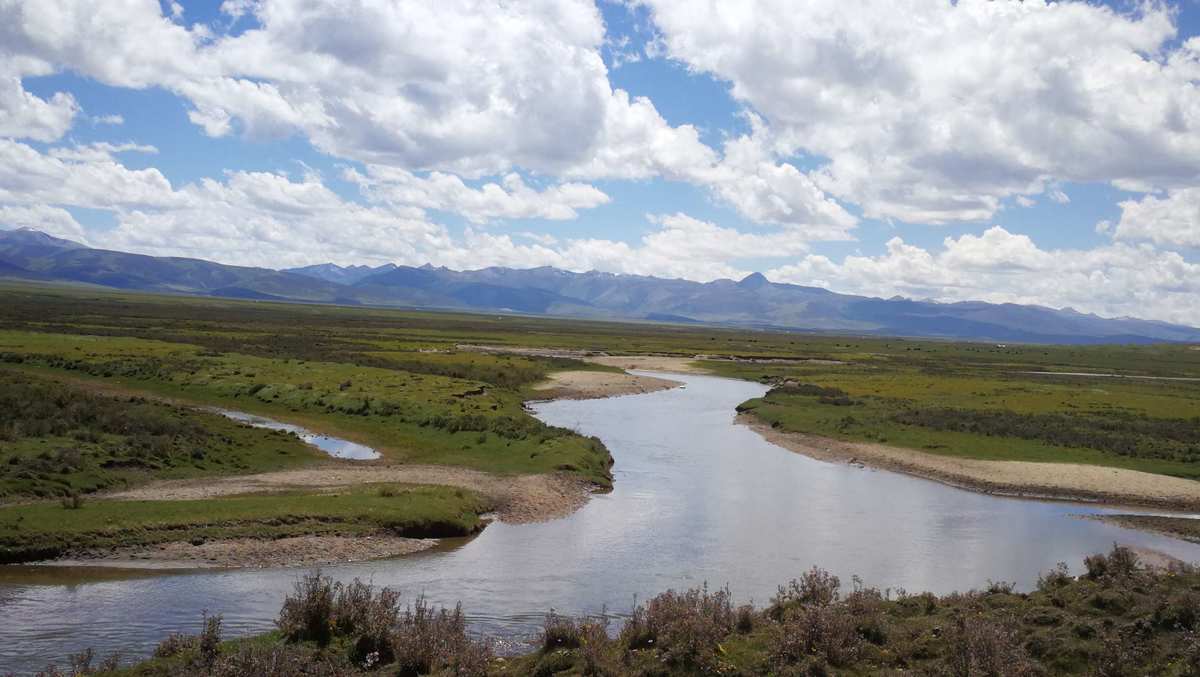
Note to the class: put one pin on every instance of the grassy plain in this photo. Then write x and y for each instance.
(984, 413)
(404, 383)
(47, 530)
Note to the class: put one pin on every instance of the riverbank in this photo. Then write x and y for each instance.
(305, 533)
(590, 385)
(1184, 528)
(516, 499)
(1060, 481)
(249, 553)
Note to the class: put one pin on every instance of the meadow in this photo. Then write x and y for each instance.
(137, 371)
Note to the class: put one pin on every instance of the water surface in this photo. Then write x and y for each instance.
(697, 498)
(334, 446)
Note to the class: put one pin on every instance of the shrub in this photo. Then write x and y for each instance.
(1056, 578)
(560, 632)
(816, 587)
(745, 619)
(176, 644)
(209, 643)
(593, 647)
(1120, 562)
(307, 614)
(985, 647)
(683, 628)
(1000, 587)
(368, 618)
(828, 632)
(428, 640)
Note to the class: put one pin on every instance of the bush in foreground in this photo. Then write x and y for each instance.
(1117, 619)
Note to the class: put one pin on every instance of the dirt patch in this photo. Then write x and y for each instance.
(668, 363)
(1064, 481)
(517, 499)
(245, 552)
(589, 385)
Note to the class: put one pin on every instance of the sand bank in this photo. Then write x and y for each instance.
(1064, 481)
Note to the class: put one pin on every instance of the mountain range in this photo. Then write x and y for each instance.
(753, 301)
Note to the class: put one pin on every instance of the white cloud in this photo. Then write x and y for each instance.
(1003, 267)
(1173, 219)
(460, 87)
(933, 111)
(750, 179)
(113, 119)
(99, 151)
(23, 115)
(87, 177)
(53, 220)
(265, 219)
(512, 198)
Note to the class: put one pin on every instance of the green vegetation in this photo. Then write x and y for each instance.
(128, 370)
(977, 411)
(416, 417)
(45, 530)
(1118, 619)
(62, 440)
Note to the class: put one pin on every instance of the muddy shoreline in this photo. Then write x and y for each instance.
(1019, 479)
(294, 551)
(591, 385)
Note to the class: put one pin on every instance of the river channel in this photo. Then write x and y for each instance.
(697, 499)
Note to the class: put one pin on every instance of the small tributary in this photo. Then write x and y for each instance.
(334, 446)
(697, 499)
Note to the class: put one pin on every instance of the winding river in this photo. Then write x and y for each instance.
(697, 499)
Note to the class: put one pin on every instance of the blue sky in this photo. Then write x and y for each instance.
(1027, 152)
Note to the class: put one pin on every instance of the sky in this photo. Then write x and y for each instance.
(1030, 152)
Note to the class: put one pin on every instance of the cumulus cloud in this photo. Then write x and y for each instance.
(912, 110)
(53, 220)
(1004, 267)
(458, 88)
(1171, 219)
(87, 177)
(23, 115)
(936, 111)
(512, 198)
(266, 219)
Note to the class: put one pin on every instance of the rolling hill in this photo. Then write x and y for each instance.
(751, 302)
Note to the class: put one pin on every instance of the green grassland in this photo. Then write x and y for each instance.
(409, 416)
(46, 530)
(415, 394)
(60, 440)
(985, 413)
(402, 382)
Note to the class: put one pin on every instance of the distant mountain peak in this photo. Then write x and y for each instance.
(34, 236)
(754, 281)
(752, 301)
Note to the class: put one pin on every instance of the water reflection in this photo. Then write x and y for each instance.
(697, 498)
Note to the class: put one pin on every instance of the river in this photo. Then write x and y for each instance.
(697, 499)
